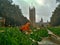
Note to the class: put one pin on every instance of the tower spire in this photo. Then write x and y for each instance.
(41, 19)
(32, 16)
(31, 4)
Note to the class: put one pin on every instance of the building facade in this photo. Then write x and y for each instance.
(32, 16)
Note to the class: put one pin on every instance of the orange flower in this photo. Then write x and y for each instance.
(25, 27)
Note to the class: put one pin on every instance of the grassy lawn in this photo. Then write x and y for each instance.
(13, 36)
(55, 30)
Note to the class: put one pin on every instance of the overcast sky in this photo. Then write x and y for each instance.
(43, 8)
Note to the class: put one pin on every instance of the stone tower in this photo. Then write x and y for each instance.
(32, 16)
(41, 20)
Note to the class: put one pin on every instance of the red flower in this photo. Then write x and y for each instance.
(26, 27)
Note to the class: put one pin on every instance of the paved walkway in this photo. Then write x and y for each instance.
(54, 38)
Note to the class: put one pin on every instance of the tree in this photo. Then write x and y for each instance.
(55, 19)
(12, 13)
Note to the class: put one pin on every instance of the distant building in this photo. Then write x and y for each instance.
(42, 24)
(2, 21)
(32, 16)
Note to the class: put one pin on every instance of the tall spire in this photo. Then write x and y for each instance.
(41, 19)
(31, 4)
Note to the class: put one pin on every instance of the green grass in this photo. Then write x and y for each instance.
(38, 34)
(13, 36)
(55, 30)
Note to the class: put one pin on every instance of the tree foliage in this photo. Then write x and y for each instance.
(11, 13)
(55, 19)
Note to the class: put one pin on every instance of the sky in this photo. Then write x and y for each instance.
(44, 8)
